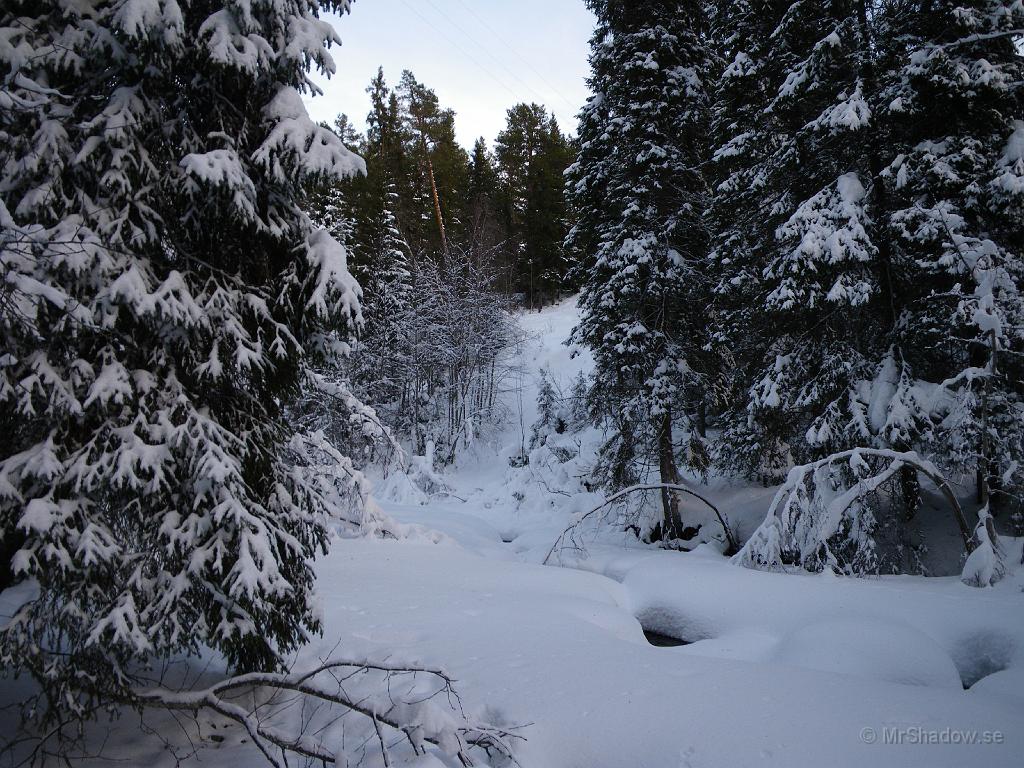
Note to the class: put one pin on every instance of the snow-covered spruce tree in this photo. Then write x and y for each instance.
(378, 369)
(552, 413)
(743, 216)
(878, 302)
(163, 298)
(954, 101)
(640, 199)
(805, 290)
(385, 252)
(331, 212)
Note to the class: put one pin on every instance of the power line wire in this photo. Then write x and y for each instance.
(459, 48)
(516, 53)
(495, 59)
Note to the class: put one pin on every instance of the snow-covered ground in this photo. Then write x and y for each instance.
(781, 670)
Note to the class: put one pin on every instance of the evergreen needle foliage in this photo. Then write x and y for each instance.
(164, 298)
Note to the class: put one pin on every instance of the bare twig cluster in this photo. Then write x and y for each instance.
(338, 710)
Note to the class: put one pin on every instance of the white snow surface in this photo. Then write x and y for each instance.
(781, 670)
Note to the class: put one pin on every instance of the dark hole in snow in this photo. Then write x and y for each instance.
(667, 628)
(981, 655)
(663, 641)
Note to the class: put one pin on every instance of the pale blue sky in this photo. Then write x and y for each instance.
(480, 56)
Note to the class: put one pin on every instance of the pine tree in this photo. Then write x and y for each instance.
(532, 155)
(164, 298)
(640, 202)
(486, 231)
(442, 165)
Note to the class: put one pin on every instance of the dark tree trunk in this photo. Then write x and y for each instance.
(910, 486)
(672, 524)
(986, 459)
(9, 544)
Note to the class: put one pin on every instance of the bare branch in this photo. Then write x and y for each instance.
(730, 536)
(382, 708)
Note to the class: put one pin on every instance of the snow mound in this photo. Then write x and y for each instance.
(400, 488)
(1007, 685)
(868, 647)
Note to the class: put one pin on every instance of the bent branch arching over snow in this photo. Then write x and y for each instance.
(615, 497)
(821, 509)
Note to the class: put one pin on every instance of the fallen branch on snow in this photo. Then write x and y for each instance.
(399, 703)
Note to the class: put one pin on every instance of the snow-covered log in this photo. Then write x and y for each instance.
(822, 517)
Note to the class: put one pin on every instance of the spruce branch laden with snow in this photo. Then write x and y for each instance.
(827, 513)
(165, 295)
